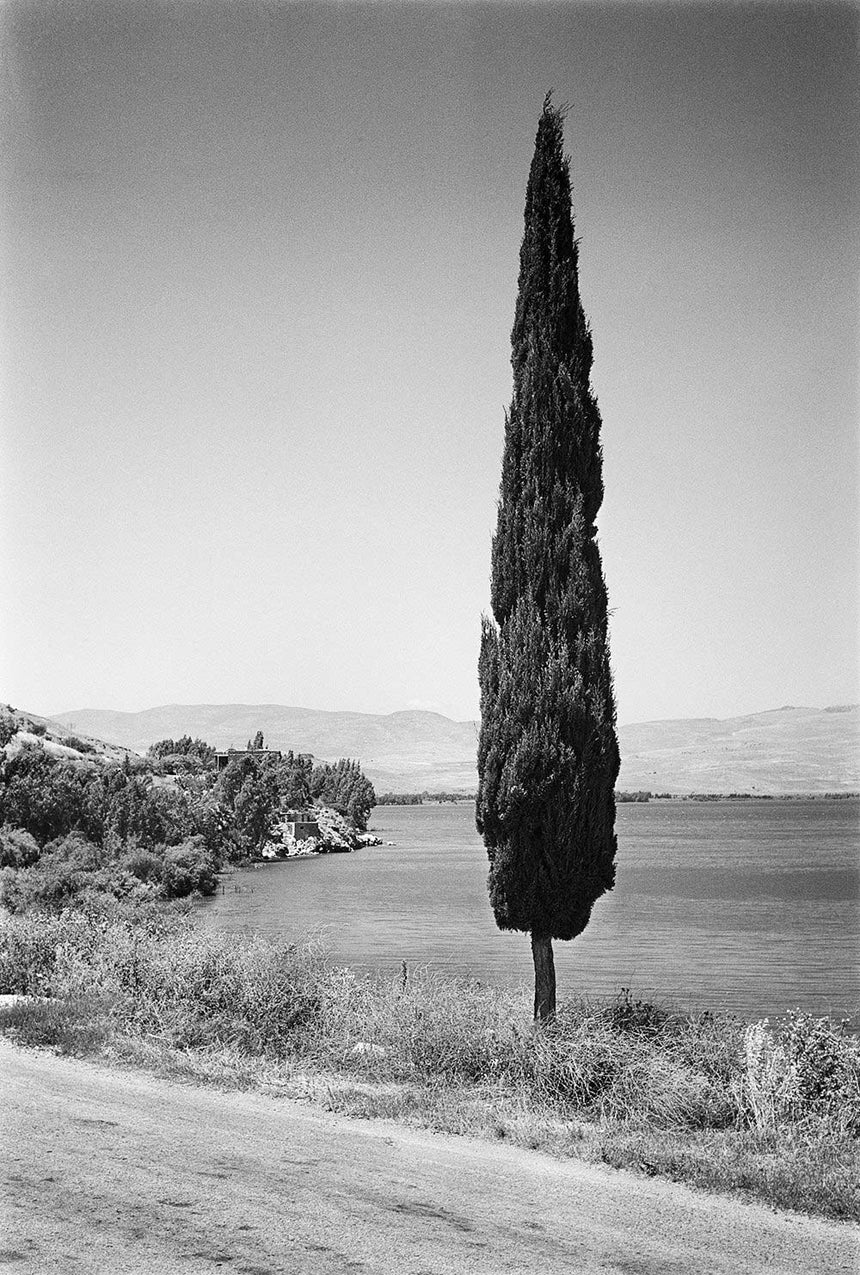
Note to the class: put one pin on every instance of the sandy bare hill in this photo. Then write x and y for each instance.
(786, 750)
(21, 729)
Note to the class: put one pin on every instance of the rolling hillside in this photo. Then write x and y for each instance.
(787, 750)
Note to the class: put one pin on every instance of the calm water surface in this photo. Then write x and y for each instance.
(745, 906)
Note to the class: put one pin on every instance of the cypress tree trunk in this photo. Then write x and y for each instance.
(544, 977)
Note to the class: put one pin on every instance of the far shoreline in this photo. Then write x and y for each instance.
(638, 798)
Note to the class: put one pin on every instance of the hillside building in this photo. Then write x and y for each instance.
(301, 824)
(222, 760)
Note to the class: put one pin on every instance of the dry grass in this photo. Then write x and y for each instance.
(771, 1112)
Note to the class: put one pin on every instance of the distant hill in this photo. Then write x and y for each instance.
(400, 752)
(786, 750)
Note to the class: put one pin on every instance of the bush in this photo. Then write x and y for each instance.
(631, 1014)
(807, 1071)
(824, 1064)
(163, 977)
(17, 848)
(185, 747)
(77, 850)
(46, 796)
(145, 865)
(188, 868)
(178, 764)
(67, 865)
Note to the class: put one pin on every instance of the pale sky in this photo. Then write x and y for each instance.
(259, 269)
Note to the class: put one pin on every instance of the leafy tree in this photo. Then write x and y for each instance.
(146, 865)
(251, 788)
(133, 807)
(294, 778)
(250, 796)
(46, 796)
(185, 746)
(345, 788)
(255, 809)
(547, 752)
(68, 865)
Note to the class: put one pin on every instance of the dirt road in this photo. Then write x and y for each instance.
(112, 1171)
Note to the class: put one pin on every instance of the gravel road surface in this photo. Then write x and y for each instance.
(115, 1171)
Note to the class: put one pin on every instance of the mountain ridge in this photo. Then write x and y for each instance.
(790, 749)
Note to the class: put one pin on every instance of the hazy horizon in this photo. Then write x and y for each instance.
(307, 708)
(260, 267)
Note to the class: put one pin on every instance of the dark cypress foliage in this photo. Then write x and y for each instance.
(548, 753)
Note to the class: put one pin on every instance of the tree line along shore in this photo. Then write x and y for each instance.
(76, 820)
(639, 796)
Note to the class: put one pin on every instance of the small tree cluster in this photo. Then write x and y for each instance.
(73, 866)
(255, 789)
(185, 746)
(345, 787)
(72, 823)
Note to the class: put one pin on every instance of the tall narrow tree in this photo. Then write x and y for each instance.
(548, 753)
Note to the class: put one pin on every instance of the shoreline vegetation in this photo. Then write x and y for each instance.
(771, 1111)
(80, 816)
(457, 798)
(101, 956)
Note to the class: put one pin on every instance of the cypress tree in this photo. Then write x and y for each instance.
(547, 752)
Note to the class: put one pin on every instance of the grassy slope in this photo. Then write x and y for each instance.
(706, 1100)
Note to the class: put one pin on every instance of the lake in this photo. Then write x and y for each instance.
(746, 906)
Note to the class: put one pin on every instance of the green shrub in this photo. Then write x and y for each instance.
(188, 868)
(806, 1071)
(178, 764)
(629, 1013)
(143, 864)
(161, 976)
(63, 870)
(824, 1063)
(68, 867)
(17, 848)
